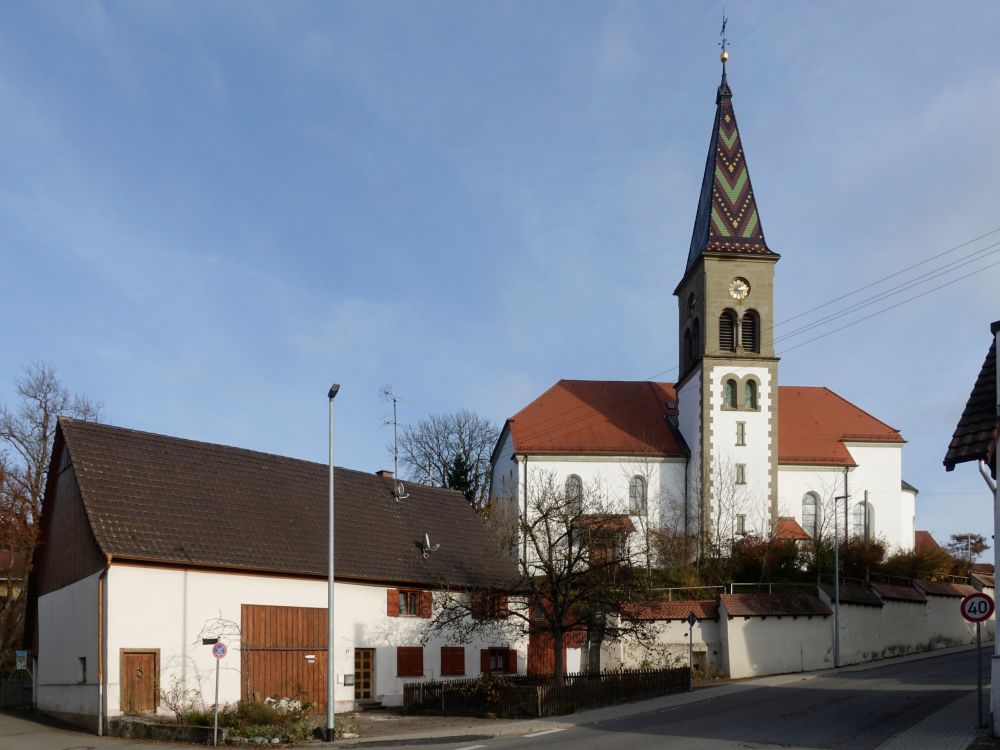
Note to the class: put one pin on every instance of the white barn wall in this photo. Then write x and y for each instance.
(67, 625)
(167, 608)
(757, 646)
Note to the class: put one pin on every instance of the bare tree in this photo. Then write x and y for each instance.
(576, 575)
(727, 503)
(26, 434)
(430, 448)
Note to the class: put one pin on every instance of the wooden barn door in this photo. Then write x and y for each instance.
(284, 654)
(140, 680)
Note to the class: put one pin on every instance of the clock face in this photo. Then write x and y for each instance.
(739, 288)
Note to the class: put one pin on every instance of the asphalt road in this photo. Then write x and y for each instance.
(857, 710)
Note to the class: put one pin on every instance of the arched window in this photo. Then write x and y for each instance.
(574, 490)
(688, 356)
(695, 341)
(750, 329)
(729, 394)
(861, 525)
(637, 496)
(727, 331)
(750, 394)
(810, 513)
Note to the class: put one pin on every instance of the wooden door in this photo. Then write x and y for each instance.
(364, 674)
(140, 680)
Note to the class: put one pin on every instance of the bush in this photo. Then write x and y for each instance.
(276, 718)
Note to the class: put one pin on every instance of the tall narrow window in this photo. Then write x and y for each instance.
(741, 433)
(727, 331)
(729, 394)
(741, 524)
(637, 496)
(810, 513)
(695, 341)
(741, 473)
(862, 521)
(750, 394)
(574, 491)
(688, 357)
(749, 335)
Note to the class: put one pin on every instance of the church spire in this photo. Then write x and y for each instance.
(727, 221)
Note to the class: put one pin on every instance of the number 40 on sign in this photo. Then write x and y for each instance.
(977, 607)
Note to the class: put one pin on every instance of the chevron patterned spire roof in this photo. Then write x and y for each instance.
(727, 221)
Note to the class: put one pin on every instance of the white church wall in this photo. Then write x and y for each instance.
(879, 473)
(755, 454)
(67, 632)
(794, 482)
(166, 609)
(504, 471)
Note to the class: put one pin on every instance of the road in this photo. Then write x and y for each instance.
(854, 710)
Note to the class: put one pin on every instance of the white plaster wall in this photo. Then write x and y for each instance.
(756, 454)
(904, 628)
(795, 481)
(670, 646)
(775, 645)
(67, 630)
(504, 478)
(167, 608)
(689, 424)
(879, 472)
(945, 624)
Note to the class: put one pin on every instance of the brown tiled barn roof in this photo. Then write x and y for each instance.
(943, 588)
(898, 593)
(853, 593)
(676, 610)
(163, 499)
(765, 605)
(976, 433)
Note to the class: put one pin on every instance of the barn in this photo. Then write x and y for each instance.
(149, 544)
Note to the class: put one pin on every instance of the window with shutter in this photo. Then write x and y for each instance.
(727, 331)
(392, 602)
(452, 661)
(409, 661)
(426, 603)
(749, 333)
(484, 661)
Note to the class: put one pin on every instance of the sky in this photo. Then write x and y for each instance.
(209, 212)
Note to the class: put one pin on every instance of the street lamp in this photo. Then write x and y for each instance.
(836, 578)
(331, 677)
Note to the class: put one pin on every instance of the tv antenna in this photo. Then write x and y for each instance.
(387, 394)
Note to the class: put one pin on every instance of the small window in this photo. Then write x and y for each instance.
(749, 332)
(729, 394)
(727, 331)
(862, 521)
(409, 661)
(574, 490)
(688, 349)
(498, 661)
(741, 473)
(409, 603)
(750, 394)
(83, 670)
(741, 524)
(741, 433)
(695, 341)
(489, 606)
(637, 496)
(452, 661)
(810, 513)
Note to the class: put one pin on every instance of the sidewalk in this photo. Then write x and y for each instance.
(951, 728)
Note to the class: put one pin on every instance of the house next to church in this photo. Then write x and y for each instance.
(726, 450)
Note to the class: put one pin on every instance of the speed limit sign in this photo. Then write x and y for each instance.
(977, 607)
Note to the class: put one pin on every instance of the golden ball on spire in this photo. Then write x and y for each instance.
(724, 56)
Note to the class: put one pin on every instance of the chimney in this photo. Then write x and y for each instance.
(385, 473)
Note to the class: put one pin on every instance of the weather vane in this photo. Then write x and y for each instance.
(723, 41)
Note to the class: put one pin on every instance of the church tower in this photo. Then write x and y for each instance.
(727, 383)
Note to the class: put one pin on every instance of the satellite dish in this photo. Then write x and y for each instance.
(400, 492)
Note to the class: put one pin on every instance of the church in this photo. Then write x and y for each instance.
(726, 451)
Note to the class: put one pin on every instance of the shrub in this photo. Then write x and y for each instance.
(178, 699)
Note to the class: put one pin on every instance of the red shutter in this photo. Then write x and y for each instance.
(511, 661)
(502, 611)
(409, 661)
(452, 661)
(426, 599)
(476, 605)
(484, 660)
(392, 602)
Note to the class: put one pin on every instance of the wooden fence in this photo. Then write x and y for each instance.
(541, 696)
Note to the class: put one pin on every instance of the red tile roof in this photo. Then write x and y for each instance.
(924, 542)
(898, 593)
(602, 522)
(982, 568)
(764, 605)
(852, 593)
(609, 417)
(814, 423)
(975, 434)
(677, 610)
(788, 528)
(619, 417)
(943, 588)
(985, 579)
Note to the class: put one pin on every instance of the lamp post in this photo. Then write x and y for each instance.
(836, 579)
(331, 677)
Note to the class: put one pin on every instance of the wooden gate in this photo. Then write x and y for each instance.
(364, 674)
(284, 653)
(140, 680)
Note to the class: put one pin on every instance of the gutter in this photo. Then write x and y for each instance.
(100, 647)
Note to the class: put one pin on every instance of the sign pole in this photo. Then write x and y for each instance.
(977, 608)
(979, 671)
(215, 730)
(692, 618)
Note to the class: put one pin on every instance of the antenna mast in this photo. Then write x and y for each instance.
(387, 394)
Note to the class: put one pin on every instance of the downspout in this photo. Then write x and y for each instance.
(846, 503)
(100, 647)
(524, 539)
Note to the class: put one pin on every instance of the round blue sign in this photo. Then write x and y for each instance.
(219, 650)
